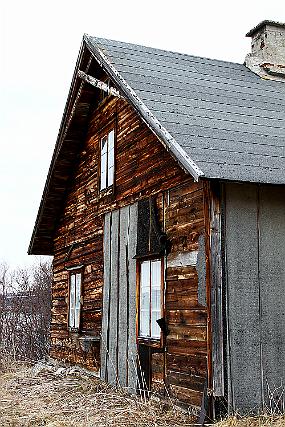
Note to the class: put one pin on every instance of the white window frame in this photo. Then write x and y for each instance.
(107, 160)
(148, 283)
(74, 299)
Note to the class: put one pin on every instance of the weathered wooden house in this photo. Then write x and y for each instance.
(164, 210)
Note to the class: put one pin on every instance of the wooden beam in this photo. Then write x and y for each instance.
(99, 84)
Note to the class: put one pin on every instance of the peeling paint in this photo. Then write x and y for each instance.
(99, 84)
(182, 259)
(267, 57)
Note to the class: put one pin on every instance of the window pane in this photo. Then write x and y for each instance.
(111, 145)
(145, 284)
(155, 284)
(145, 274)
(71, 300)
(76, 317)
(103, 172)
(144, 323)
(156, 273)
(111, 158)
(155, 329)
(111, 176)
(103, 183)
(104, 145)
(77, 301)
(155, 297)
(145, 299)
(78, 291)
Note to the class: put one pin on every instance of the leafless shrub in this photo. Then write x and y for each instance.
(273, 414)
(25, 312)
(275, 398)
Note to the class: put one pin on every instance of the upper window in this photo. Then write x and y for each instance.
(74, 300)
(150, 298)
(107, 160)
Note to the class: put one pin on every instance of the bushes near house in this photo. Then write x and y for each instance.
(25, 307)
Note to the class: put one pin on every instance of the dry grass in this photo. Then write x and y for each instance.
(49, 395)
(56, 396)
(262, 421)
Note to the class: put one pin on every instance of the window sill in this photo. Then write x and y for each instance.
(106, 191)
(89, 338)
(73, 331)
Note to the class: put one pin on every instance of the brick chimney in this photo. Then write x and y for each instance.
(267, 57)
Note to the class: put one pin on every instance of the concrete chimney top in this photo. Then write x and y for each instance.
(267, 57)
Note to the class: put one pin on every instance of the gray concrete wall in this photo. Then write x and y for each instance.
(272, 290)
(255, 260)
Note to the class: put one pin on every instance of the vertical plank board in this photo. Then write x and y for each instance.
(272, 280)
(216, 295)
(201, 271)
(123, 297)
(113, 317)
(106, 296)
(243, 295)
(132, 346)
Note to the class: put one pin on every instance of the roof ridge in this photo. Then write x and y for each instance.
(162, 50)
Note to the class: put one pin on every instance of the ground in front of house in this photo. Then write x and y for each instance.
(49, 394)
(53, 395)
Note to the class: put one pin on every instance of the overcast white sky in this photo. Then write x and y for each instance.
(39, 46)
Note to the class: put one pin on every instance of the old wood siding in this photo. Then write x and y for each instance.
(143, 167)
(186, 313)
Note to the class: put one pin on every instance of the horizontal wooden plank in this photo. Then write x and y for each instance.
(187, 317)
(186, 346)
(186, 395)
(181, 379)
(189, 364)
(186, 332)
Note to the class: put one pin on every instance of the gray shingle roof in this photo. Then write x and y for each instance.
(229, 121)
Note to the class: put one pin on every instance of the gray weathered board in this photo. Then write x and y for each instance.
(255, 254)
(118, 343)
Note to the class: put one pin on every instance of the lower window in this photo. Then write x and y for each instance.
(74, 300)
(151, 280)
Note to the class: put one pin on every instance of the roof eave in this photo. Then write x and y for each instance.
(31, 249)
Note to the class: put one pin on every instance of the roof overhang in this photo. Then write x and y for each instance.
(72, 134)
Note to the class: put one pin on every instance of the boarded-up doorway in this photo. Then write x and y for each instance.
(118, 339)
